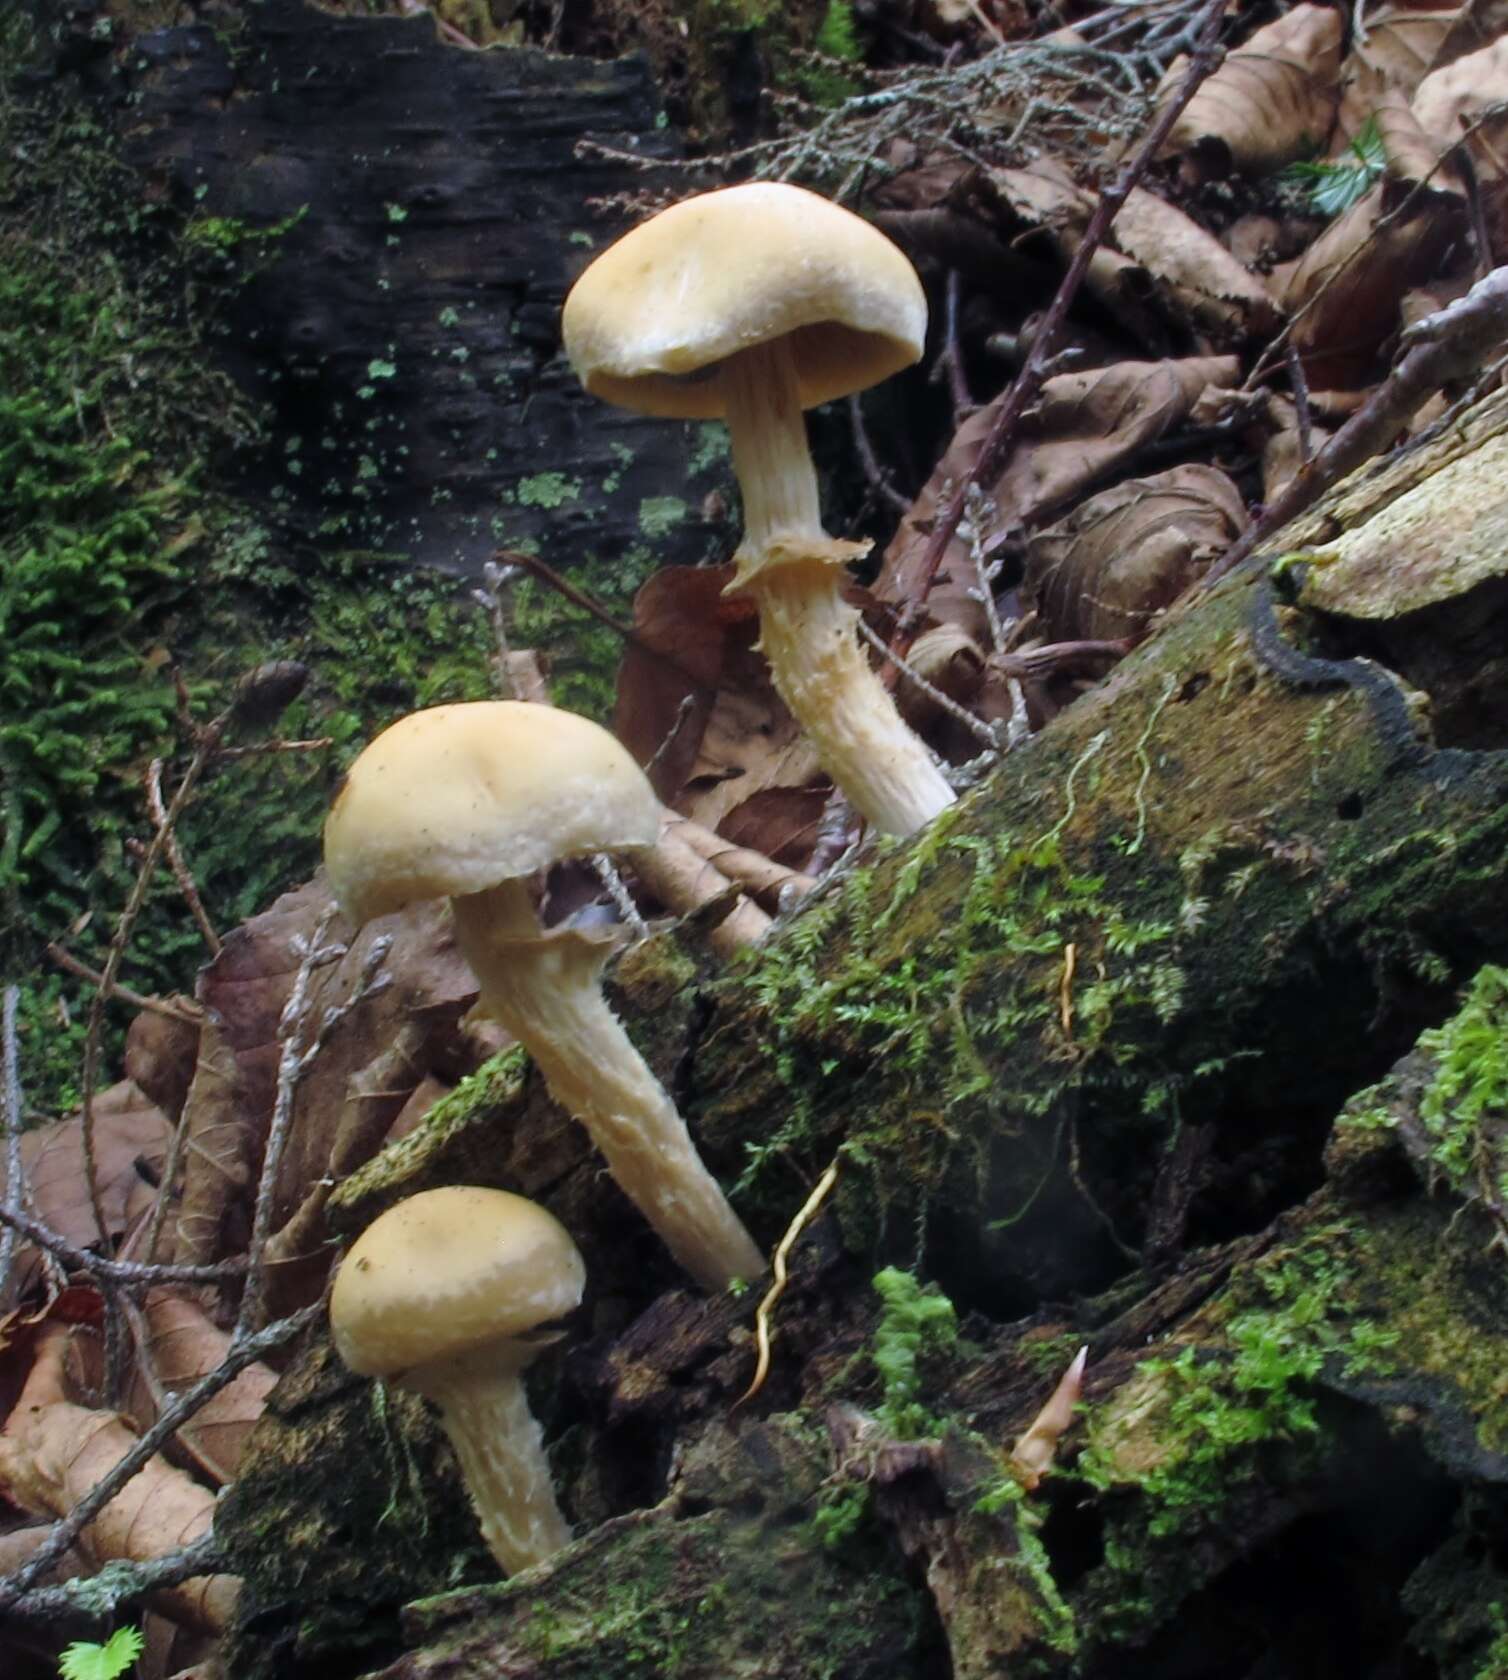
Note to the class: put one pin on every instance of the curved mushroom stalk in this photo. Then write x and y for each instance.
(500, 1446)
(808, 632)
(547, 990)
(445, 1294)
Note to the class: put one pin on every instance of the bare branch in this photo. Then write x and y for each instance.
(127, 1273)
(1445, 346)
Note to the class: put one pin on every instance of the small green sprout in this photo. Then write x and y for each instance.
(1336, 184)
(84, 1661)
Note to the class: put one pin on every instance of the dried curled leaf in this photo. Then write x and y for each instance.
(1413, 154)
(1395, 49)
(248, 984)
(734, 736)
(1351, 281)
(1126, 554)
(1199, 276)
(1473, 92)
(1084, 425)
(222, 1141)
(181, 1346)
(1271, 101)
(52, 1453)
(1042, 203)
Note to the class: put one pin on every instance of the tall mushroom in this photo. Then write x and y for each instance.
(444, 1294)
(467, 802)
(749, 305)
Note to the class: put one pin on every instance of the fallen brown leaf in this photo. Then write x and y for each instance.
(53, 1452)
(1396, 48)
(1450, 99)
(1200, 278)
(160, 1055)
(1084, 427)
(222, 1139)
(182, 1345)
(782, 823)
(1126, 554)
(130, 1142)
(735, 735)
(1271, 101)
(1413, 154)
(248, 984)
(1352, 279)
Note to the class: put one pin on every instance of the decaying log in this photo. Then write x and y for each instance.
(1078, 1050)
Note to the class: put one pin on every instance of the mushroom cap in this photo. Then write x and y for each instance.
(731, 269)
(447, 1272)
(456, 799)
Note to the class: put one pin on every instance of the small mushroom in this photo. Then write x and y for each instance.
(467, 802)
(445, 1294)
(749, 305)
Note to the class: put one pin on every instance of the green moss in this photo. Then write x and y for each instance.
(1467, 1101)
(938, 1003)
(403, 1168)
(711, 447)
(547, 490)
(917, 1321)
(722, 1581)
(108, 416)
(1215, 1410)
(659, 515)
(1054, 1615)
(836, 39)
(584, 652)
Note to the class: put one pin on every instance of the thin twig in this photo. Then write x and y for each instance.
(495, 580)
(106, 1270)
(961, 714)
(297, 1056)
(617, 890)
(138, 1000)
(187, 886)
(1002, 433)
(547, 574)
(10, 1108)
(870, 462)
(981, 511)
(1303, 412)
(318, 743)
(673, 734)
(206, 745)
(244, 1350)
(102, 1596)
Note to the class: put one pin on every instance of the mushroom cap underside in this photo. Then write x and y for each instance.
(647, 323)
(456, 799)
(449, 1271)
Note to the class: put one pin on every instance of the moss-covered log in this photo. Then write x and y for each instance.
(1077, 1051)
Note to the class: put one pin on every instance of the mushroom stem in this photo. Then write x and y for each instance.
(547, 990)
(808, 631)
(500, 1446)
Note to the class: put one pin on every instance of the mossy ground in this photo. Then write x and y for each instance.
(129, 558)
